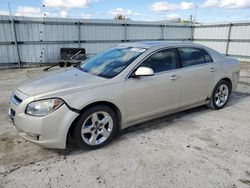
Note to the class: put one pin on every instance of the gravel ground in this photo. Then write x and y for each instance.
(194, 148)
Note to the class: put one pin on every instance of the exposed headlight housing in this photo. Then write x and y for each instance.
(43, 107)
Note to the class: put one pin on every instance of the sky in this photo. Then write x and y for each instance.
(206, 11)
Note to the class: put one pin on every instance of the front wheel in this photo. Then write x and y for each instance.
(220, 95)
(95, 127)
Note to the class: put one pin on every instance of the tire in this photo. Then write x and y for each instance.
(95, 127)
(220, 95)
(68, 64)
(61, 64)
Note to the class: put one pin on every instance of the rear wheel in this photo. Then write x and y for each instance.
(220, 95)
(96, 127)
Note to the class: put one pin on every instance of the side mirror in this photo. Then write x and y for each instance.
(144, 71)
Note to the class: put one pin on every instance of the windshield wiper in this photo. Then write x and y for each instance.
(99, 75)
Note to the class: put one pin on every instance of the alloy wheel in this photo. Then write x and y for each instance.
(221, 95)
(97, 128)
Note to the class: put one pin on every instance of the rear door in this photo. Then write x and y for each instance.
(197, 72)
(151, 95)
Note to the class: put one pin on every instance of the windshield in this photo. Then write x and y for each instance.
(111, 62)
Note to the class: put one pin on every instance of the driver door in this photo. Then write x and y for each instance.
(147, 96)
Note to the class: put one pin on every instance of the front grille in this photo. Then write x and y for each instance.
(17, 99)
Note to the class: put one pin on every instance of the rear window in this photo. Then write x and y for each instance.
(193, 56)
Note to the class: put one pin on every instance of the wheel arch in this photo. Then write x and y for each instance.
(211, 99)
(106, 103)
(225, 78)
(229, 81)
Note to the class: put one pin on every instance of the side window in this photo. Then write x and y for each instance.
(208, 57)
(161, 61)
(193, 56)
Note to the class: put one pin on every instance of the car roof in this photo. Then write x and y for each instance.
(165, 44)
(150, 44)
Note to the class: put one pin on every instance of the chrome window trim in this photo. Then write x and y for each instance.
(194, 66)
(172, 47)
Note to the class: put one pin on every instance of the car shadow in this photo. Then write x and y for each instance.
(157, 123)
(236, 97)
(162, 122)
(147, 126)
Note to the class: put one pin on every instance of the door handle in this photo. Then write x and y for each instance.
(174, 77)
(212, 69)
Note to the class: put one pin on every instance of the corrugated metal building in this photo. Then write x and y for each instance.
(38, 40)
(25, 40)
(232, 39)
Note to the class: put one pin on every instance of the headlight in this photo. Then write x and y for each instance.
(43, 107)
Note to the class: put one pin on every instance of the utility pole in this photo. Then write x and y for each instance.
(42, 32)
(9, 9)
(15, 36)
(195, 12)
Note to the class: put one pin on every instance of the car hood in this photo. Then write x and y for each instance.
(59, 81)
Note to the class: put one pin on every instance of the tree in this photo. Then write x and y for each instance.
(120, 17)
